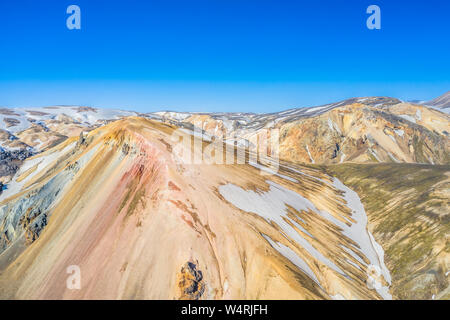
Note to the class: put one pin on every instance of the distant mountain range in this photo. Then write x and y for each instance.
(358, 130)
(333, 133)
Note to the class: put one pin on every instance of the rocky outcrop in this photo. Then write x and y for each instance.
(10, 162)
(34, 227)
(24, 218)
(190, 282)
(362, 134)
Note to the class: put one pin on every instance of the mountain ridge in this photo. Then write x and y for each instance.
(388, 131)
(153, 196)
(122, 203)
(441, 102)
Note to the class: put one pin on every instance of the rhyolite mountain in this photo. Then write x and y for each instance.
(357, 209)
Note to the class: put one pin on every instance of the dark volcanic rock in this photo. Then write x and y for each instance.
(10, 161)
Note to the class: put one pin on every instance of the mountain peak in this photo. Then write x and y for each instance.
(441, 102)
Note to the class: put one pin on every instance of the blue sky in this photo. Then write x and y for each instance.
(220, 55)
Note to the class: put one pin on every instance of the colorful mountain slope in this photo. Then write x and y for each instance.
(141, 222)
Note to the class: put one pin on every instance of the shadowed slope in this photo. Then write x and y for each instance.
(408, 207)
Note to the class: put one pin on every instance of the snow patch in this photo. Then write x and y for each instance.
(393, 158)
(293, 257)
(42, 162)
(309, 154)
(271, 206)
(419, 115)
(408, 117)
(315, 109)
(374, 153)
(358, 231)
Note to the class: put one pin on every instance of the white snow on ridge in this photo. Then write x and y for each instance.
(86, 116)
(358, 232)
(419, 115)
(408, 117)
(374, 153)
(179, 116)
(197, 133)
(393, 158)
(332, 125)
(392, 138)
(293, 257)
(41, 161)
(315, 109)
(271, 205)
(20, 119)
(309, 154)
(444, 110)
(22, 125)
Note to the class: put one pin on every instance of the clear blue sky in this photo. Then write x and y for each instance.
(220, 55)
